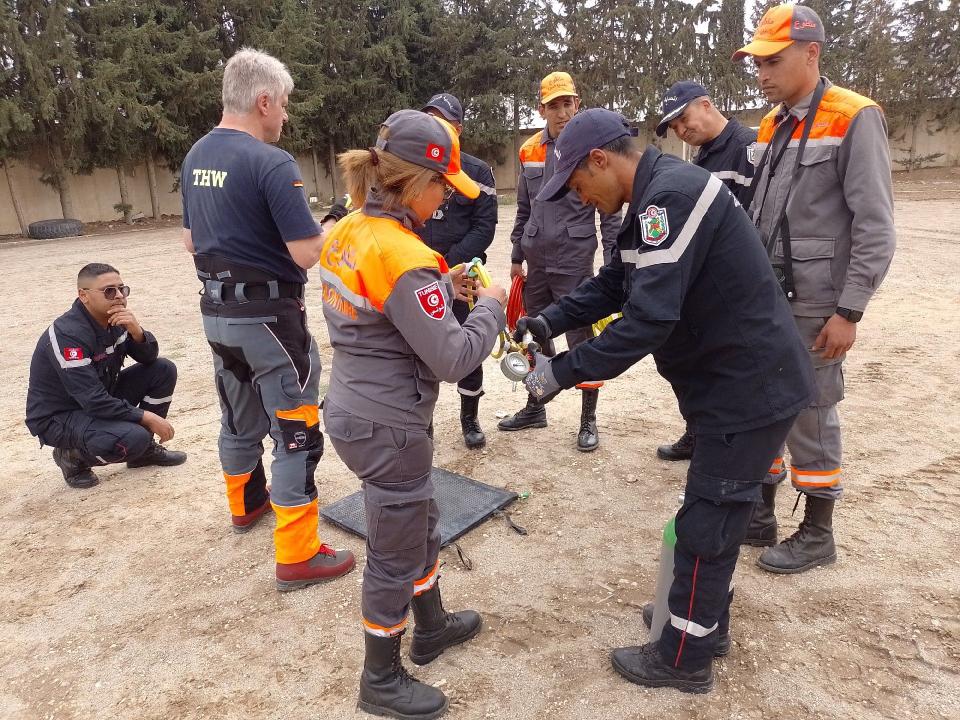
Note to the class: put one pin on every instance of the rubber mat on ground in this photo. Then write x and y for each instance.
(464, 503)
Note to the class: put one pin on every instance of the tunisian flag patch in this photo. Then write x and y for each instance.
(432, 301)
(73, 353)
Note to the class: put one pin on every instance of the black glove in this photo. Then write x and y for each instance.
(336, 213)
(536, 326)
(339, 210)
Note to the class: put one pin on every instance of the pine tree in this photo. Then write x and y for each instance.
(729, 83)
(42, 75)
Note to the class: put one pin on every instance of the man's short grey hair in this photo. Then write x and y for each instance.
(249, 74)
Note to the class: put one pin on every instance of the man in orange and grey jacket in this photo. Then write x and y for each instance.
(558, 242)
(822, 191)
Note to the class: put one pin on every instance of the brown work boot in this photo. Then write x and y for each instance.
(246, 523)
(327, 564)
(75, 468)
(811, 545)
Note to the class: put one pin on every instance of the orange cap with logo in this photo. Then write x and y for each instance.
(556, 84)
(779, 28)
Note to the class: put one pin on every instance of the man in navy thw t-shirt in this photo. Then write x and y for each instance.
(248, 225)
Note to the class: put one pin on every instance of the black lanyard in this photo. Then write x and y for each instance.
(782, 226)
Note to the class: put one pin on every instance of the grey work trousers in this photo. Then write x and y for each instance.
(403, 540)
(267, 371)
(814, 441)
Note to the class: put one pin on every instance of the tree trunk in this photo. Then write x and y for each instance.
(333, 173)
(127, 208)
(516, 138)
(24, 230)
(62, 181)
(152, 183)
(316, 171)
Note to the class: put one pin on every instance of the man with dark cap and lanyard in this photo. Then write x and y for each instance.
(461, 230)
(725, 148)
(824, 208)
(696, 290)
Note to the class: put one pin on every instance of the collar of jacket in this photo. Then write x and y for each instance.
(641, 180)
(82, 311)
(545, 136)
(720, 141)
(373, 207)
(799, 111)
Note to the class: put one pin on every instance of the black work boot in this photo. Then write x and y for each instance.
(534, 415)
(682, 449)
(723, 641)
(588, 439)
(387, 689)
(157, 454)
(644, 665)
(762, 531)
(473, 435)
(75, 468)
(811, 545)
(436, 629)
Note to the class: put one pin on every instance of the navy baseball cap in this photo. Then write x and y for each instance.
(588, 130)
(447, 105)
(676, 100)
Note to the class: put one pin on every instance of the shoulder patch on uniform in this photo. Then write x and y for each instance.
(654, 226)
(73, 353)
(432, 301)
(752, 154)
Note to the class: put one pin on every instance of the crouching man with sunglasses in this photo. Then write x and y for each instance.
(82, 402)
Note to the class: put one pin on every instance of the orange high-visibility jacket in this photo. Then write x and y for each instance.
(387, 302)
(840, 209)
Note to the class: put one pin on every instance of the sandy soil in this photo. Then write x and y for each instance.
(134, 599)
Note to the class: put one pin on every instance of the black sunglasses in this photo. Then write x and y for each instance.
(110, 292)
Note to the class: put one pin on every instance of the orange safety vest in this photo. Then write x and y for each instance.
(364, 256)
(836, 111)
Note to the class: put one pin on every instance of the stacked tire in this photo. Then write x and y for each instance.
(50, 229)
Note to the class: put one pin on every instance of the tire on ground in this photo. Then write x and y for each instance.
(48, 229)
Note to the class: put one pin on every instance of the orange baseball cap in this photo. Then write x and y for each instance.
(779, 28)
(556, 84)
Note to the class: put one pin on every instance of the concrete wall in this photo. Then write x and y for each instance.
(95, 195)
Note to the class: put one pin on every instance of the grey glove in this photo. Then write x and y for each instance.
(540, 382)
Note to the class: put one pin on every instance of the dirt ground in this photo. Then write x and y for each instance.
(135, 600)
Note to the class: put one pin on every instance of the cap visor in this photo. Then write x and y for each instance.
(446, 113)
(665, 120)
(462, 183)
(556, 186)
(555, 95)
(761, 48)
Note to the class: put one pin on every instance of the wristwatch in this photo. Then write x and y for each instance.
(850, 315)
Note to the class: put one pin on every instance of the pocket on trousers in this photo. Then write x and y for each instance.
(392, 528)
(345, 426)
